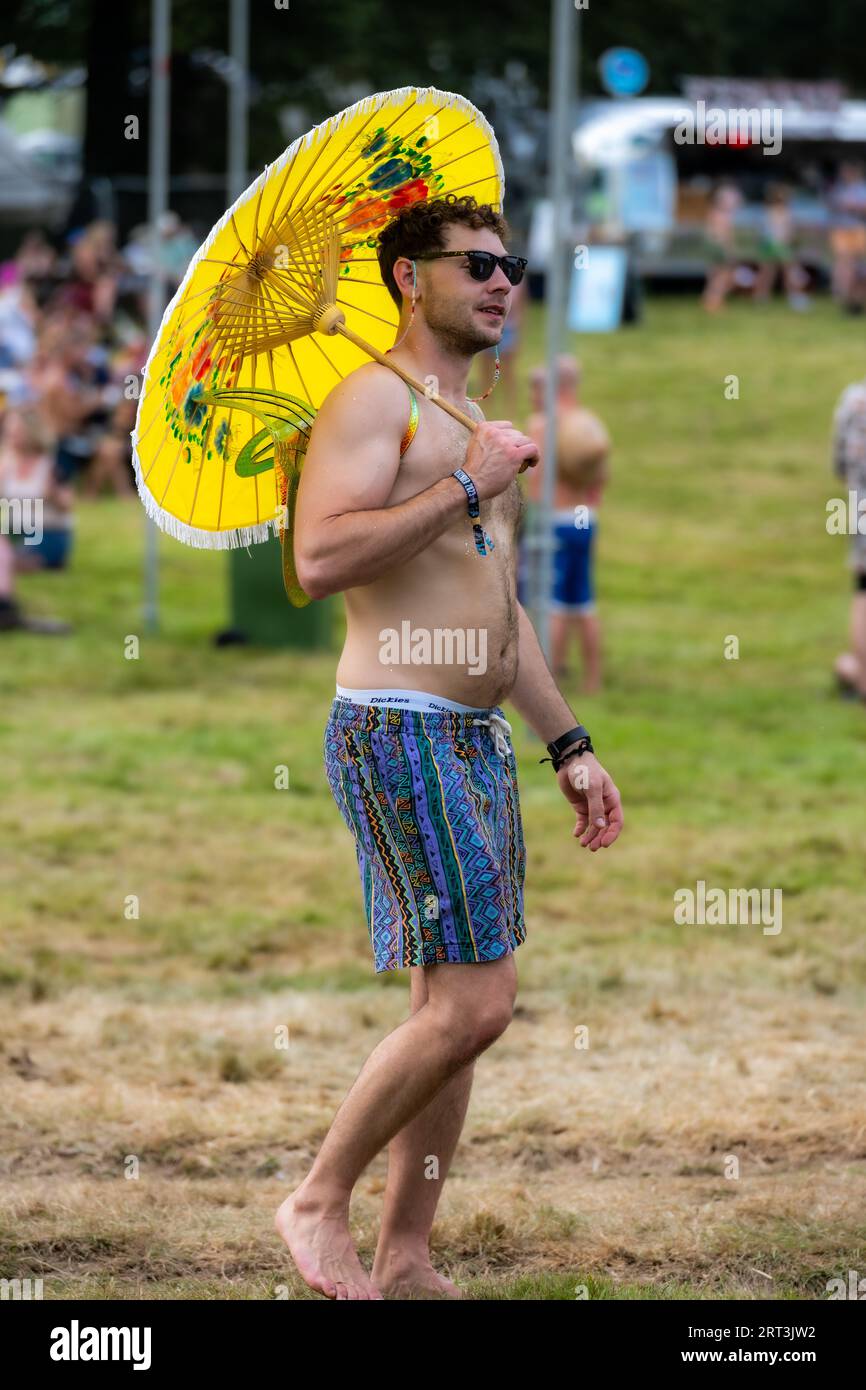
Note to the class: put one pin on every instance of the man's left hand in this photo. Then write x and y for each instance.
(594, 795)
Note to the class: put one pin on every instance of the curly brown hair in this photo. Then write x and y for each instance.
(417, 230)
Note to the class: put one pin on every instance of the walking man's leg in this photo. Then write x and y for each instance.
(402, 1265)
(468, 1006)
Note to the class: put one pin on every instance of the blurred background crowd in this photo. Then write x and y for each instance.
(768, 199)
(73, 342)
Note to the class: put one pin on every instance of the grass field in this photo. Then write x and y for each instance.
(153, 1038)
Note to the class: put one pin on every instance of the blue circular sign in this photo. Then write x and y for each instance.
(624, 72)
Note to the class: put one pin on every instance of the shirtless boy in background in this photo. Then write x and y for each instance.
(582, 473)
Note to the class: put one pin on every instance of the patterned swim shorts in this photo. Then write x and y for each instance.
(431, 801)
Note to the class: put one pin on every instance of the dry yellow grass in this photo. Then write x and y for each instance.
(607, 1161)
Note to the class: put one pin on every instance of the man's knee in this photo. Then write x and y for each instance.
(473, 1004)
(469, 1031)
(492, 1021)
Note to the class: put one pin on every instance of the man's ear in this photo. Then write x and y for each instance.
(412, 286)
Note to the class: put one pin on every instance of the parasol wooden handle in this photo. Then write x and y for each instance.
(452, 410)
(331, 319)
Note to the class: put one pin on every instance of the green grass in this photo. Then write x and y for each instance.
(155, 778)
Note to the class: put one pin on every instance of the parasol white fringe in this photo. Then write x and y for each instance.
(197, 536)
(245, 535)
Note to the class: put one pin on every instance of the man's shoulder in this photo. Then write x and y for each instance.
(373, 379)
(370, 393)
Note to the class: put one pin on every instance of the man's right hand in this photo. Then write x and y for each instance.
(497, 453)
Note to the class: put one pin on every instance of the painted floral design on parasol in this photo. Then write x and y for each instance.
(283, 300)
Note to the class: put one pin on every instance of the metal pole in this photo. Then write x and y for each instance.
(239, 52)
(157, 204)
(563, 82)
(236, 181)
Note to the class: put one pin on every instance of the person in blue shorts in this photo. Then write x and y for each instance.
(583, 470)
(35, 513)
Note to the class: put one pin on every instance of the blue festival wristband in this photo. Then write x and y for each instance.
(471, 491)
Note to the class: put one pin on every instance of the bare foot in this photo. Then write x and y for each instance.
(412, 1279)
(321, 1247)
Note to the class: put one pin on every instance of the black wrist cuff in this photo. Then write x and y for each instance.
(576, 741)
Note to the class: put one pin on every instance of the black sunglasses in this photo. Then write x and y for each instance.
(483, 263)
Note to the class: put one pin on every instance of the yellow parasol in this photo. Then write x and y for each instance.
(283, 300)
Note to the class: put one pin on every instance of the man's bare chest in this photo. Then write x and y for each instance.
(440, 446)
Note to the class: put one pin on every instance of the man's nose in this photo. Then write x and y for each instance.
(499, 280)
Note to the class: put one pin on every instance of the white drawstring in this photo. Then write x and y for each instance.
(500, 728)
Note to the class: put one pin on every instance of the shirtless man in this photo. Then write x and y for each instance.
(582, 472)
(416, 751)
